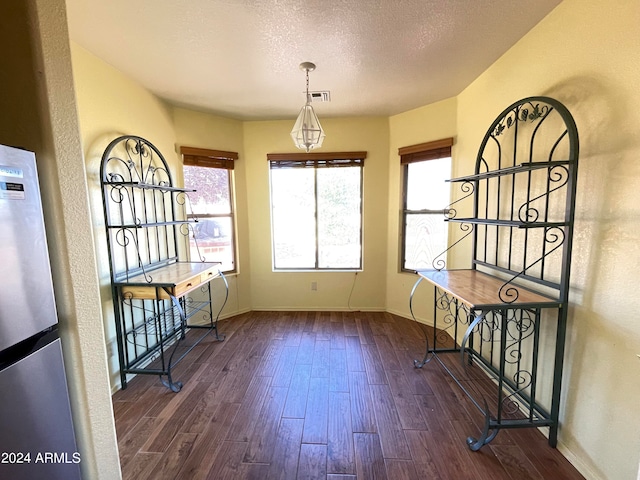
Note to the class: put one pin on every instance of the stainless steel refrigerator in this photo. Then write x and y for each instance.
(37, 439)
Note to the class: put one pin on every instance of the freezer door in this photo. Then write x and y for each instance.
(26, 293)
(37, 438)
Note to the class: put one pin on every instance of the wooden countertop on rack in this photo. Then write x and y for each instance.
(479, 290)
(176, 279)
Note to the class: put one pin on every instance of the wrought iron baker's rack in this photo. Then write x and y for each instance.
(506, 316)
(147, 236)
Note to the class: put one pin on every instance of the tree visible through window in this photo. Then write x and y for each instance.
(210, 173)
(425, 195)
(316, 208)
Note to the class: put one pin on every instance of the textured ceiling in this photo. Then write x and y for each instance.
(239, 58)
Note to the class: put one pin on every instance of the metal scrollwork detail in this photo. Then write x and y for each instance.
(182, 198)
(554, 236)
(136, 148)
(118, 194)
(159, 176)
(508, 293)
(528, 214)
(468, 189)
(490, 325)
(558, 176)
(454, 311)
(519, 328)
(444, 301)
(522, 113)
(186, 229)
(138, 160)
(123, 237)
(438, 262)
(522, 379)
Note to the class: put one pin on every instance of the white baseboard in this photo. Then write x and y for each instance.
(408, 317)
(317, 309)
(587, 472)
(236, 313)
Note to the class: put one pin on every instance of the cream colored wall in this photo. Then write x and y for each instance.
(336, 290)
(39, 113)
(197, 129)
(425, 124)
(585, 54)
(109, 105)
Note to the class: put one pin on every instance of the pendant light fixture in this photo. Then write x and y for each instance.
(307, 132)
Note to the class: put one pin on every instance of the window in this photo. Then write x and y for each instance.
(210, 174)
(425, 195)
(316, 210)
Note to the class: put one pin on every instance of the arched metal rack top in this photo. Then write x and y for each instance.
(534, 111)
(141, 206)
(132, 160)
(523, 189)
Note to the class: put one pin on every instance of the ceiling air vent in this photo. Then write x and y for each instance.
(320, 96)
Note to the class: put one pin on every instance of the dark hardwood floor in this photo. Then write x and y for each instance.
(315, 395)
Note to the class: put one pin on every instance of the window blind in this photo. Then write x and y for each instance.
(316, 159)
(204, 157)
(426, 151)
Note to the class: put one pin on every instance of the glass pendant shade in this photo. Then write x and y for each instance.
(307, 132)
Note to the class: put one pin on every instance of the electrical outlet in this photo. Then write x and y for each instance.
(314, 286)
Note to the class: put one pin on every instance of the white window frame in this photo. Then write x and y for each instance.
(435, 150)
(317, 160)
(215, 159)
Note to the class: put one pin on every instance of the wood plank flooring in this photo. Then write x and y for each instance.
(316, 395)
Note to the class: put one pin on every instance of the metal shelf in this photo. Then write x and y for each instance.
(522, 167)
(170, 320)
(507, 223)
(147, 186)
(151, 224)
